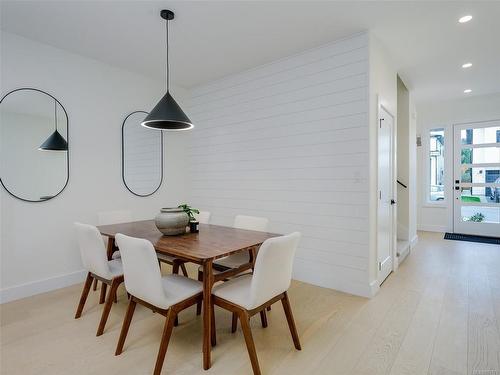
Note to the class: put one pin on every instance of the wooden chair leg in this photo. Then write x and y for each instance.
(167, 332)
(268, 308)
(198, 304)
(95, 285)
(102, 296)
(234, 323)
(83, 297)
(175, 271)
(175, 268)
(108, 304)
(184, 270)
(263, 318)
(125, 326)
(212, 330)
(291, 323)
(245, 326)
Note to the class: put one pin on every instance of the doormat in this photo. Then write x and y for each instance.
(471, 238)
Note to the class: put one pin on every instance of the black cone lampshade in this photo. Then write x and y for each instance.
(167, 114)
(56, 141)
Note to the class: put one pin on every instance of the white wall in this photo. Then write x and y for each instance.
(289, 141)
(413, 186)
(435, 217)
(294, 140)
(38, 248)
(382, 91)
(403, 160)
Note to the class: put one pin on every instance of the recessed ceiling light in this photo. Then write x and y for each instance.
(465, 19)
(466, 65)
(467, 91)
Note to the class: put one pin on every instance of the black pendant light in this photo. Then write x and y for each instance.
(167, 114)
(56, 141)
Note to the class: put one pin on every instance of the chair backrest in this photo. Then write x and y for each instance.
(251, 223)
(273, 268)
(114, 217)
(92, 250)
(141, 270)
(203, 217)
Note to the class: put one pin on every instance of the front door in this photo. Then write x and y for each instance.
(476, 208)
(385, 232)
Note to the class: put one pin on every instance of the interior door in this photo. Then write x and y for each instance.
(476, 207)
(386, 194)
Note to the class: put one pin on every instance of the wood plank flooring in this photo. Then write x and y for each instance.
(439, 314)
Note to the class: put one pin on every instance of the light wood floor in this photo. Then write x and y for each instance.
(439, 314)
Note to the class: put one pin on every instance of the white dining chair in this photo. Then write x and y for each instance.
(203, 217)
(167, 295)
(243, 222)
(98, 267)
(235, 260)
(125, 216)
(112, 217)
(247, 295)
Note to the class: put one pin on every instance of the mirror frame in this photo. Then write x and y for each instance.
(67, 140)
(123, 157)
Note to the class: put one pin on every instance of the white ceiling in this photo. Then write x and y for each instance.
(212, 39)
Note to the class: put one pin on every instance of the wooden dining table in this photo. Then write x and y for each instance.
(210, 243)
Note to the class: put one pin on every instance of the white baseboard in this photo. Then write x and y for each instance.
(432, 228)
(325, 276)
(414, 241)
(374, 288)
(41, 286)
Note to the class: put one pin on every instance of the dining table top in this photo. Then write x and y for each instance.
(211, 242)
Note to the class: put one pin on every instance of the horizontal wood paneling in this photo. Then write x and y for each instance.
(289, 141)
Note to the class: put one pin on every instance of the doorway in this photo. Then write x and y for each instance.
(386, 201)
(476, 178)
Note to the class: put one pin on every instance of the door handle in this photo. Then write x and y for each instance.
(393, 202)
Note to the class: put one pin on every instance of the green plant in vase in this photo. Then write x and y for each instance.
(190, 211)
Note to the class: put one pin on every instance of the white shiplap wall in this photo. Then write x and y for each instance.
(289, 141)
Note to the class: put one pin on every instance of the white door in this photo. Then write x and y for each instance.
(385, 230)
(476, 175)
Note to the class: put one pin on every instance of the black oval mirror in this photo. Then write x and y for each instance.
(34, 151)
(142, 156)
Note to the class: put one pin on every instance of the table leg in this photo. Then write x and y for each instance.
(111, 248)
(207, 312)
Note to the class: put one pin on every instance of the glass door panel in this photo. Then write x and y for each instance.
(477, 179)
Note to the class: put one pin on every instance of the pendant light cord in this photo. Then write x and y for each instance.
(167, 62)
(55, 112)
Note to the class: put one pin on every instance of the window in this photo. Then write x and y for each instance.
(436, 165)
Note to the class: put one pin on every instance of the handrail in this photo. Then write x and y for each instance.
(403, 185)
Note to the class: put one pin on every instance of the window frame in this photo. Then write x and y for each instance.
(427, 169)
